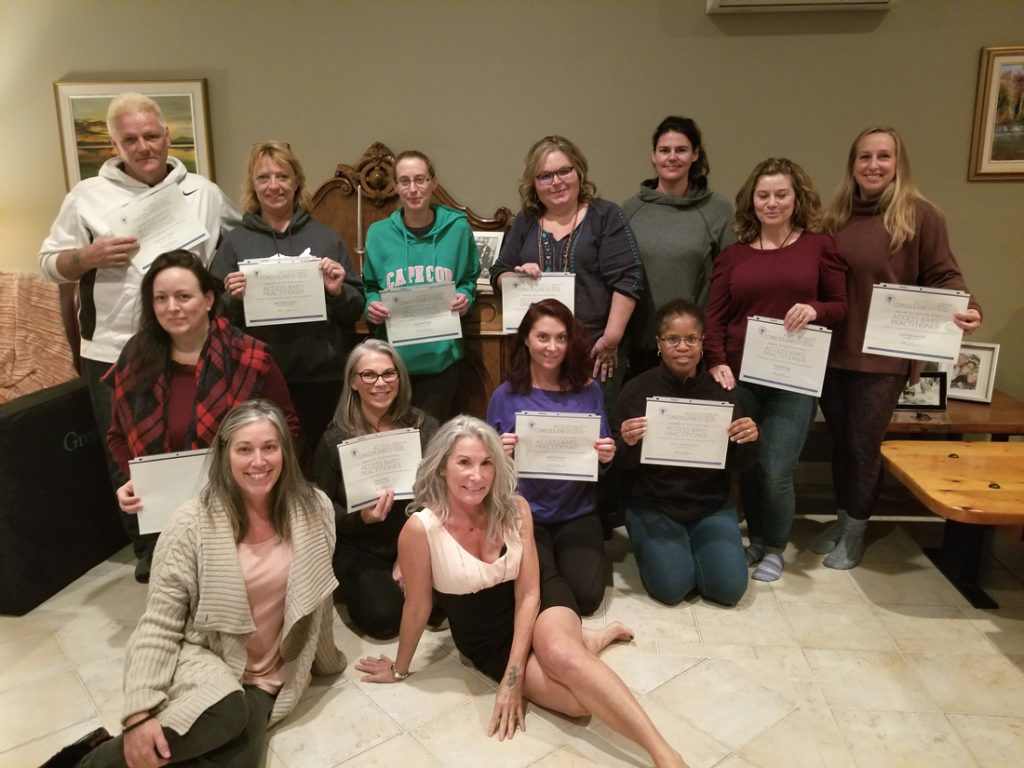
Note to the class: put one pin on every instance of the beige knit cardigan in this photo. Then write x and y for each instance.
(188, 650)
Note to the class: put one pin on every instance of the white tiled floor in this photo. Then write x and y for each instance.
(885, 665)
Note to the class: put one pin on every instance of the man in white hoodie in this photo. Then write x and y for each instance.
(81, 248)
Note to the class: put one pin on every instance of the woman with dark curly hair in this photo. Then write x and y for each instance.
(781, 268)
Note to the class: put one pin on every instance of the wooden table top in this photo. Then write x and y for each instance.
(1003, 416)
(971, 482)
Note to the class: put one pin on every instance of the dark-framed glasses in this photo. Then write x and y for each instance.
(690, 341)
(548, 177)
(390, 376)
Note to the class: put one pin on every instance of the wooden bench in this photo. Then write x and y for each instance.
(973, 486)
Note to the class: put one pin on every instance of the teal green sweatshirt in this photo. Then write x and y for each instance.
(396, 258)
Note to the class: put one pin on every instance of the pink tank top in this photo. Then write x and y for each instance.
(455, 571)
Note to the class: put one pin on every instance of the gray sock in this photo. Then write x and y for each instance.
(769, 569)
(850, 548)
(826, 541)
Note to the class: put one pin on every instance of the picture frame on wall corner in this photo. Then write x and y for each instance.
(82, 120)
(997, 138)
(973, 375)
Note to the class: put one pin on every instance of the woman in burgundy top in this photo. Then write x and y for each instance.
(180, 374)
(781, 268)
(889, 233)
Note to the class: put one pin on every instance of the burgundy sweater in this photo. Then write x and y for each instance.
(747, 281)
(924, 260)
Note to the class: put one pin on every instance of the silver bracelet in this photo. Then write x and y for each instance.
(399, 675)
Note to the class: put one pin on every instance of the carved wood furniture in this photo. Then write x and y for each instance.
(335, 204)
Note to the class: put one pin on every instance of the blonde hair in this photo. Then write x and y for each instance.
(898, 202)
(130, 102)
(538, 152)
(430, 491)
(280, 153)
(806, 203)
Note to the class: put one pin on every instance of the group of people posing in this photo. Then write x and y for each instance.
(243, 579)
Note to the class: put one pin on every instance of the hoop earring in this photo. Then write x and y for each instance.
(659, 353)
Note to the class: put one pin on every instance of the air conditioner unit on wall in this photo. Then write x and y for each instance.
(778, 6)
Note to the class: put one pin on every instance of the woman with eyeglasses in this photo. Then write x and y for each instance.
(681, 226)
(376, 397)
(685, 537)
(276, 220)
(781, 268)
(565, 227)
(422, 242)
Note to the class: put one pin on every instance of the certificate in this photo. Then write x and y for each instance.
(518, 292)
(914, 322)
(686, 433)
(164, 482)
(557, 446)
(379, 461)
(160, 220)
(282, 290)
(774, 357)
(421, 313)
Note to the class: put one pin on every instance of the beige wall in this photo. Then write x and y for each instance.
(474, 83)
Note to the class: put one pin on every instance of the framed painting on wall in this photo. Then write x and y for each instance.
(997, 141)
(82, 119)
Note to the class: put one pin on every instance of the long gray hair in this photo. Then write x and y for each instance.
(349, 416)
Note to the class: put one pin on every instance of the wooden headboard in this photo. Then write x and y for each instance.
(334, 203)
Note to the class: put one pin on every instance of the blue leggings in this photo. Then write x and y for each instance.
(675, 558)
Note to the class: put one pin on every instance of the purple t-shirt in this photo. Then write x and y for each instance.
(552, 501)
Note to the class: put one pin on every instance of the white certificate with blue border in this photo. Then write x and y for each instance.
(421, 313)
(164, 482)
(282, 290)
(518, 292)
(774, 357)
(161, 221)
(914, 322)
(557, 446)
(378, 462)
(686, 433)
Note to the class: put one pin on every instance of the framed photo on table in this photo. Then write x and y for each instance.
(82, 119)
(973, 375)
(488, 244)
(928, 394)
(997, 140)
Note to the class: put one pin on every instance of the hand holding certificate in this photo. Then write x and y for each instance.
(283, 289)
(557, 446)
(914, 322)
(160, 220)
(379, 462)
(793, 361)
(519, 291)
(164, 482)
(421, 313)
(686, 433)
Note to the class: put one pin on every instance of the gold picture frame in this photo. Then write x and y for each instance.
(85, 141)
(997, 139)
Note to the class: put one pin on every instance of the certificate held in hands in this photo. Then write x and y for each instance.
(282, 290)
(686, 433)
(160, 220)
(914, 322)
(557, 446)
(164, 482)
(518, 292)
(774, 357)
(421, 313)
(378, 462)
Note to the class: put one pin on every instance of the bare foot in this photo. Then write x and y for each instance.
(597, 640)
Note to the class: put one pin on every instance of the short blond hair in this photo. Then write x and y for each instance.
(130, 102)
(281, 153)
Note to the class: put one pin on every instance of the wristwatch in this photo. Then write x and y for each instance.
(399, 675)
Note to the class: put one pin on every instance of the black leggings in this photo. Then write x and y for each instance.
(572, 567)
(373, 599)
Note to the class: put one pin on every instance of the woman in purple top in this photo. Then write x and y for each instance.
(781, 268)
(550, 371)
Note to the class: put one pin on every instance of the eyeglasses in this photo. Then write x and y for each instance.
(548, 177)
(690, 341)
(416, 181)
(390, 376)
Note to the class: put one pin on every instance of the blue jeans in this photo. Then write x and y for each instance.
(769, 500)
(676, 557)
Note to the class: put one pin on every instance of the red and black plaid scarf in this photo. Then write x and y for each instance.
(231, 369)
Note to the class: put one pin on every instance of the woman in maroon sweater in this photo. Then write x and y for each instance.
(889, 233)
(180, 374)
(781, 268)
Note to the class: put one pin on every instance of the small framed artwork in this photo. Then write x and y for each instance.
(489, 246)
(82, 118)
(973, 375)
(928, 394)
(997, 140)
